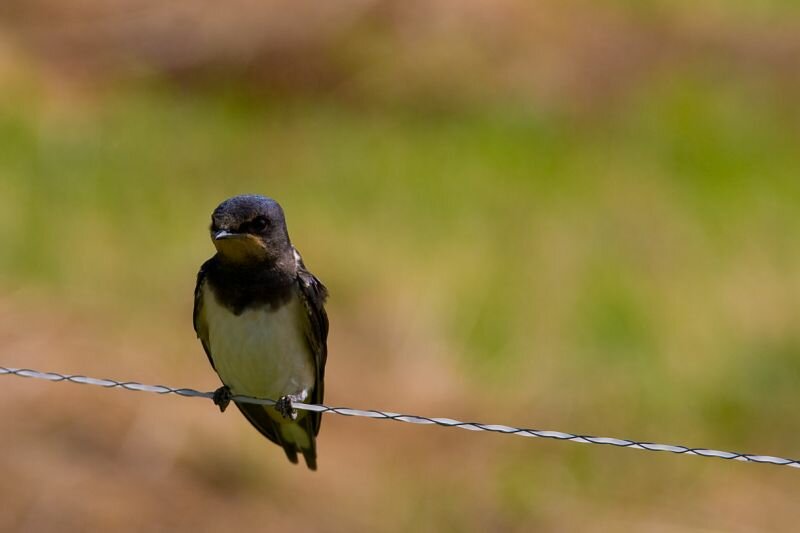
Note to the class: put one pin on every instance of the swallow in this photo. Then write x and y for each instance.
(260, 316)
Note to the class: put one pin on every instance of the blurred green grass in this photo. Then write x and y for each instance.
(568, 215)
(642, 264)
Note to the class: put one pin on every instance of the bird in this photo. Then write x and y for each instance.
(260, 315)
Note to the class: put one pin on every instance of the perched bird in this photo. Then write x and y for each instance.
(260, 316)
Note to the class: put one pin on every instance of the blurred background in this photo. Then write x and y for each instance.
(558, 214)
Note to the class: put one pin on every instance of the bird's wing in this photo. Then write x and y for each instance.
(314, 295)
(198, 315)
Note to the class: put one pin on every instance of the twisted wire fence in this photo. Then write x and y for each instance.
(413, 419)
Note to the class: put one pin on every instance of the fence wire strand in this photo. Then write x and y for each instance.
(412, 419)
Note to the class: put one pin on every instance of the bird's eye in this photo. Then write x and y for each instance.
(258, 224)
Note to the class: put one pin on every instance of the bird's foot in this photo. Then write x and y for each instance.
(284, 407)
(222, 397)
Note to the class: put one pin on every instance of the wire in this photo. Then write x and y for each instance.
(413, 419)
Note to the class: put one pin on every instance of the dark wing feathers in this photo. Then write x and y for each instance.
(198, 317)
(314, 294)
(258, 417)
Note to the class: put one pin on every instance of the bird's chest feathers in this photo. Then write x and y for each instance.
(262, 351)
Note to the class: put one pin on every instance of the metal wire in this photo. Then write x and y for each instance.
(413, 419)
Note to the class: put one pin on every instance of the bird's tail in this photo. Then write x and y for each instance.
(292, 435)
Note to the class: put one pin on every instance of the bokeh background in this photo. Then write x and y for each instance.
(558, 214)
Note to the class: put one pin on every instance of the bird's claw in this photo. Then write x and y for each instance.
(284, 407)
(222, 397)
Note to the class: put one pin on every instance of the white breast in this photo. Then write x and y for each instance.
(261, 352)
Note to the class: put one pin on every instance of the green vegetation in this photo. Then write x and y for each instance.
(599, 233)
(634, 273)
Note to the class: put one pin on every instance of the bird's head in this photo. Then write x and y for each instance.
(250, 229)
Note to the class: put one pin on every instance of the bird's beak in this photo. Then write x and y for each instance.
(224, 234)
